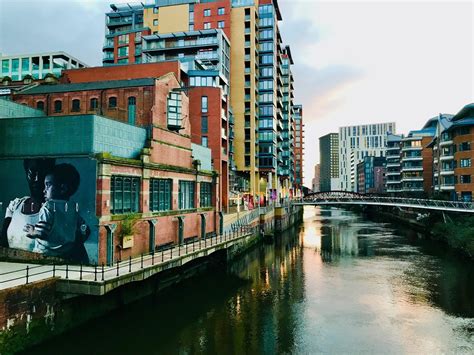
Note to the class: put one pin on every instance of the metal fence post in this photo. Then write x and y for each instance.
(117, 268)
(27, 273)
(102, 271)
(54, 270)
(80, 272)
(153, 258)
(130, 263)
(141, 261)
(67, 271)
(95, 272)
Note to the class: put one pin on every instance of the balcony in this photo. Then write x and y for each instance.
(408, 148)
(446, 143)
(393, 165)
(411, 168)
(412, 158)
(392, 173)
(411, 178)
(446, 172)
(223, 133)
(447, 187)
(392, 182)
(446, 157)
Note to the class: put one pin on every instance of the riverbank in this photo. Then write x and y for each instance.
(453, 230)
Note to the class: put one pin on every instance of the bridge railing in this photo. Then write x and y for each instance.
(392, 200)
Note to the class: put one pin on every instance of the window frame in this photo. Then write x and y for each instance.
(161, 194)
(205, 194)
(58, 106)
(134, 194)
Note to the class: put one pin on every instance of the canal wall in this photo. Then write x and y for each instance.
(33, 313)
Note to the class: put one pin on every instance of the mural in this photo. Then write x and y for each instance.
(48, 207)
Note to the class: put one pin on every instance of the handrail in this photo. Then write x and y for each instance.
(102, 273)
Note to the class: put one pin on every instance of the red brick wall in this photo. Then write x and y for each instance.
(214, 134)
(199, 18)
(427, 154)
(464, 155)
(143, 95)
(121, 72)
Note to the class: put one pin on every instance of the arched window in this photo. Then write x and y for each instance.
(76, 105)
(112, 102)
(58, 106)
(132, 104)
(94, 104)
(40, 105)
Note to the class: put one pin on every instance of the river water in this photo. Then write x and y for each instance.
(338, 283)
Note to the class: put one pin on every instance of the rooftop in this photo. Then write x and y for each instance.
(95, 85)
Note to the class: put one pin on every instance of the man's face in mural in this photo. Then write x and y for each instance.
(36, 170)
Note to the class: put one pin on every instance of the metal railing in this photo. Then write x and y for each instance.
(360, 199)
(102, 273)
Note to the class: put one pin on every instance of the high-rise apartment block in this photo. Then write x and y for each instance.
(329, 161)
(234, 45)
(356, 142)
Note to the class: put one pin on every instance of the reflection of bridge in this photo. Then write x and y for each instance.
(352, 198)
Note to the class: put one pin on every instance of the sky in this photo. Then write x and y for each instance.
(356, 62)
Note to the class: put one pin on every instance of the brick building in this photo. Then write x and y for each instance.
(164, 184)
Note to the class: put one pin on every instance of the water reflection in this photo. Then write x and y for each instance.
(338, 284)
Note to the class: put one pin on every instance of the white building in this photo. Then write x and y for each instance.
(356, 142)
(37, 65)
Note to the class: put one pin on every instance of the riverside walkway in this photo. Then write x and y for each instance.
(98, 280)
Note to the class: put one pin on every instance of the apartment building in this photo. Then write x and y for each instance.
(416, 163)
(356, 142)
(37, 66)
(329, 161)
(196, 33)
(393, 174)
(452, 155)
(371, 175)
(299, 148)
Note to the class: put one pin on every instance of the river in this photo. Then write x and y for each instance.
(339, 283)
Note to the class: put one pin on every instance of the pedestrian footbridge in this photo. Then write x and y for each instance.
(353, 198)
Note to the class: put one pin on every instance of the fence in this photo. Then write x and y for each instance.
(102, 273)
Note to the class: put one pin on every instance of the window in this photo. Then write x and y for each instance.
(204, 102)
(221, 11)
(131, 110)
(186, 195)
(204, 124)
(25, 65)
(58, 106)
(207, 12)
(464, 163)
(40, 105)
(76, 105)
(125, 193)
(207, 25)
(463, 131)
(123, 39)
(155, 10)
(220, 24)
(155, 22)
(123, 51)
(205, 194)
(112, 102)
(465, 179)
(204, 141)
(122, 61)
(464, 146)
(15, 65)
(160, 194)
(94, 104)
(5, 66)
(174, 111)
